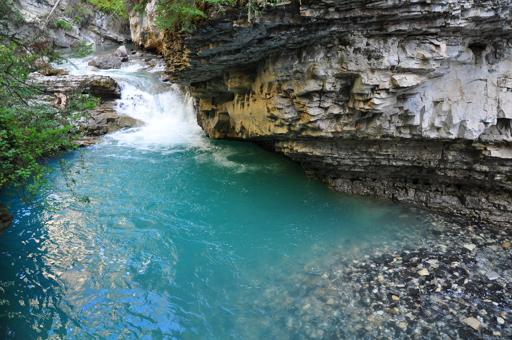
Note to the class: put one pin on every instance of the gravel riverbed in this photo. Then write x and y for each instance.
(456, 282)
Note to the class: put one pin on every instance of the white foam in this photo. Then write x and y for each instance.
(168, 115)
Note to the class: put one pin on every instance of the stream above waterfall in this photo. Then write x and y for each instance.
(159, 232)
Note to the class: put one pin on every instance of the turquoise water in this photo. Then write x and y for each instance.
(132, 239)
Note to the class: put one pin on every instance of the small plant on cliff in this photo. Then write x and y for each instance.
(116, 7)
(9, 12)
(63, 24)
(138, 6)
(82, 49)
(182, 15)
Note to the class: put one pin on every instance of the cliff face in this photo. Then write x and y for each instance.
(85, 23)
(408, 100)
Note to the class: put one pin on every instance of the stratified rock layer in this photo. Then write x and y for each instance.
(99, 121)
(408, 100)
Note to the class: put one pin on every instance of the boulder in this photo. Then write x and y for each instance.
(106, 62)
(122, 53)
(101, 86)
(102, 120)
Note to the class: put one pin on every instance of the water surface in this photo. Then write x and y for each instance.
(158, 232)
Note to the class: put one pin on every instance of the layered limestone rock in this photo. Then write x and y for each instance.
(103, 119)
(408, 100)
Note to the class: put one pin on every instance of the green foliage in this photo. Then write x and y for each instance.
(82, 49)
(83, 102)
(116, 7)
(26, 135)
(63, 24)
(9, 12)
(138, 5)
(81, 13)
(182, 15)
(28, 131)
(15, 65)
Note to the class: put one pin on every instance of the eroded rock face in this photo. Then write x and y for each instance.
(86, 24)
(399, 99)
(144, 31)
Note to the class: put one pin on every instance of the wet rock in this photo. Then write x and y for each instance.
(492, 276)
(106, 62)
(506, 245)
(44, 67)
(121, 52)
(98, 121)
(104, 119)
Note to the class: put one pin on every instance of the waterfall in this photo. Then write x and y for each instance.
(167, 115)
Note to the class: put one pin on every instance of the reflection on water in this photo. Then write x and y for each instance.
(158, 232)
(175, 244)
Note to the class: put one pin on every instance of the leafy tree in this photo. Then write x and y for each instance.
(29, 130)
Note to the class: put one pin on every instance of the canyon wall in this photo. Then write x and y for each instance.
(80, 22)
(400, 99)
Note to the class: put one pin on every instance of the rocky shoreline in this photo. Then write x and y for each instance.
(456, 282)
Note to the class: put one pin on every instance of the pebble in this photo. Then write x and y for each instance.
(403, 325)
(469, 246)
(419, 287)
(423, 272)
(472, 322)
(492, 276)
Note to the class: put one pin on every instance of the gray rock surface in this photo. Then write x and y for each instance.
(102, 86)
(87, 24)
(106, 62)
(121, 52)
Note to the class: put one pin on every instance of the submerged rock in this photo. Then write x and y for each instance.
(472, 322)
(375, 291)
(5, 218)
